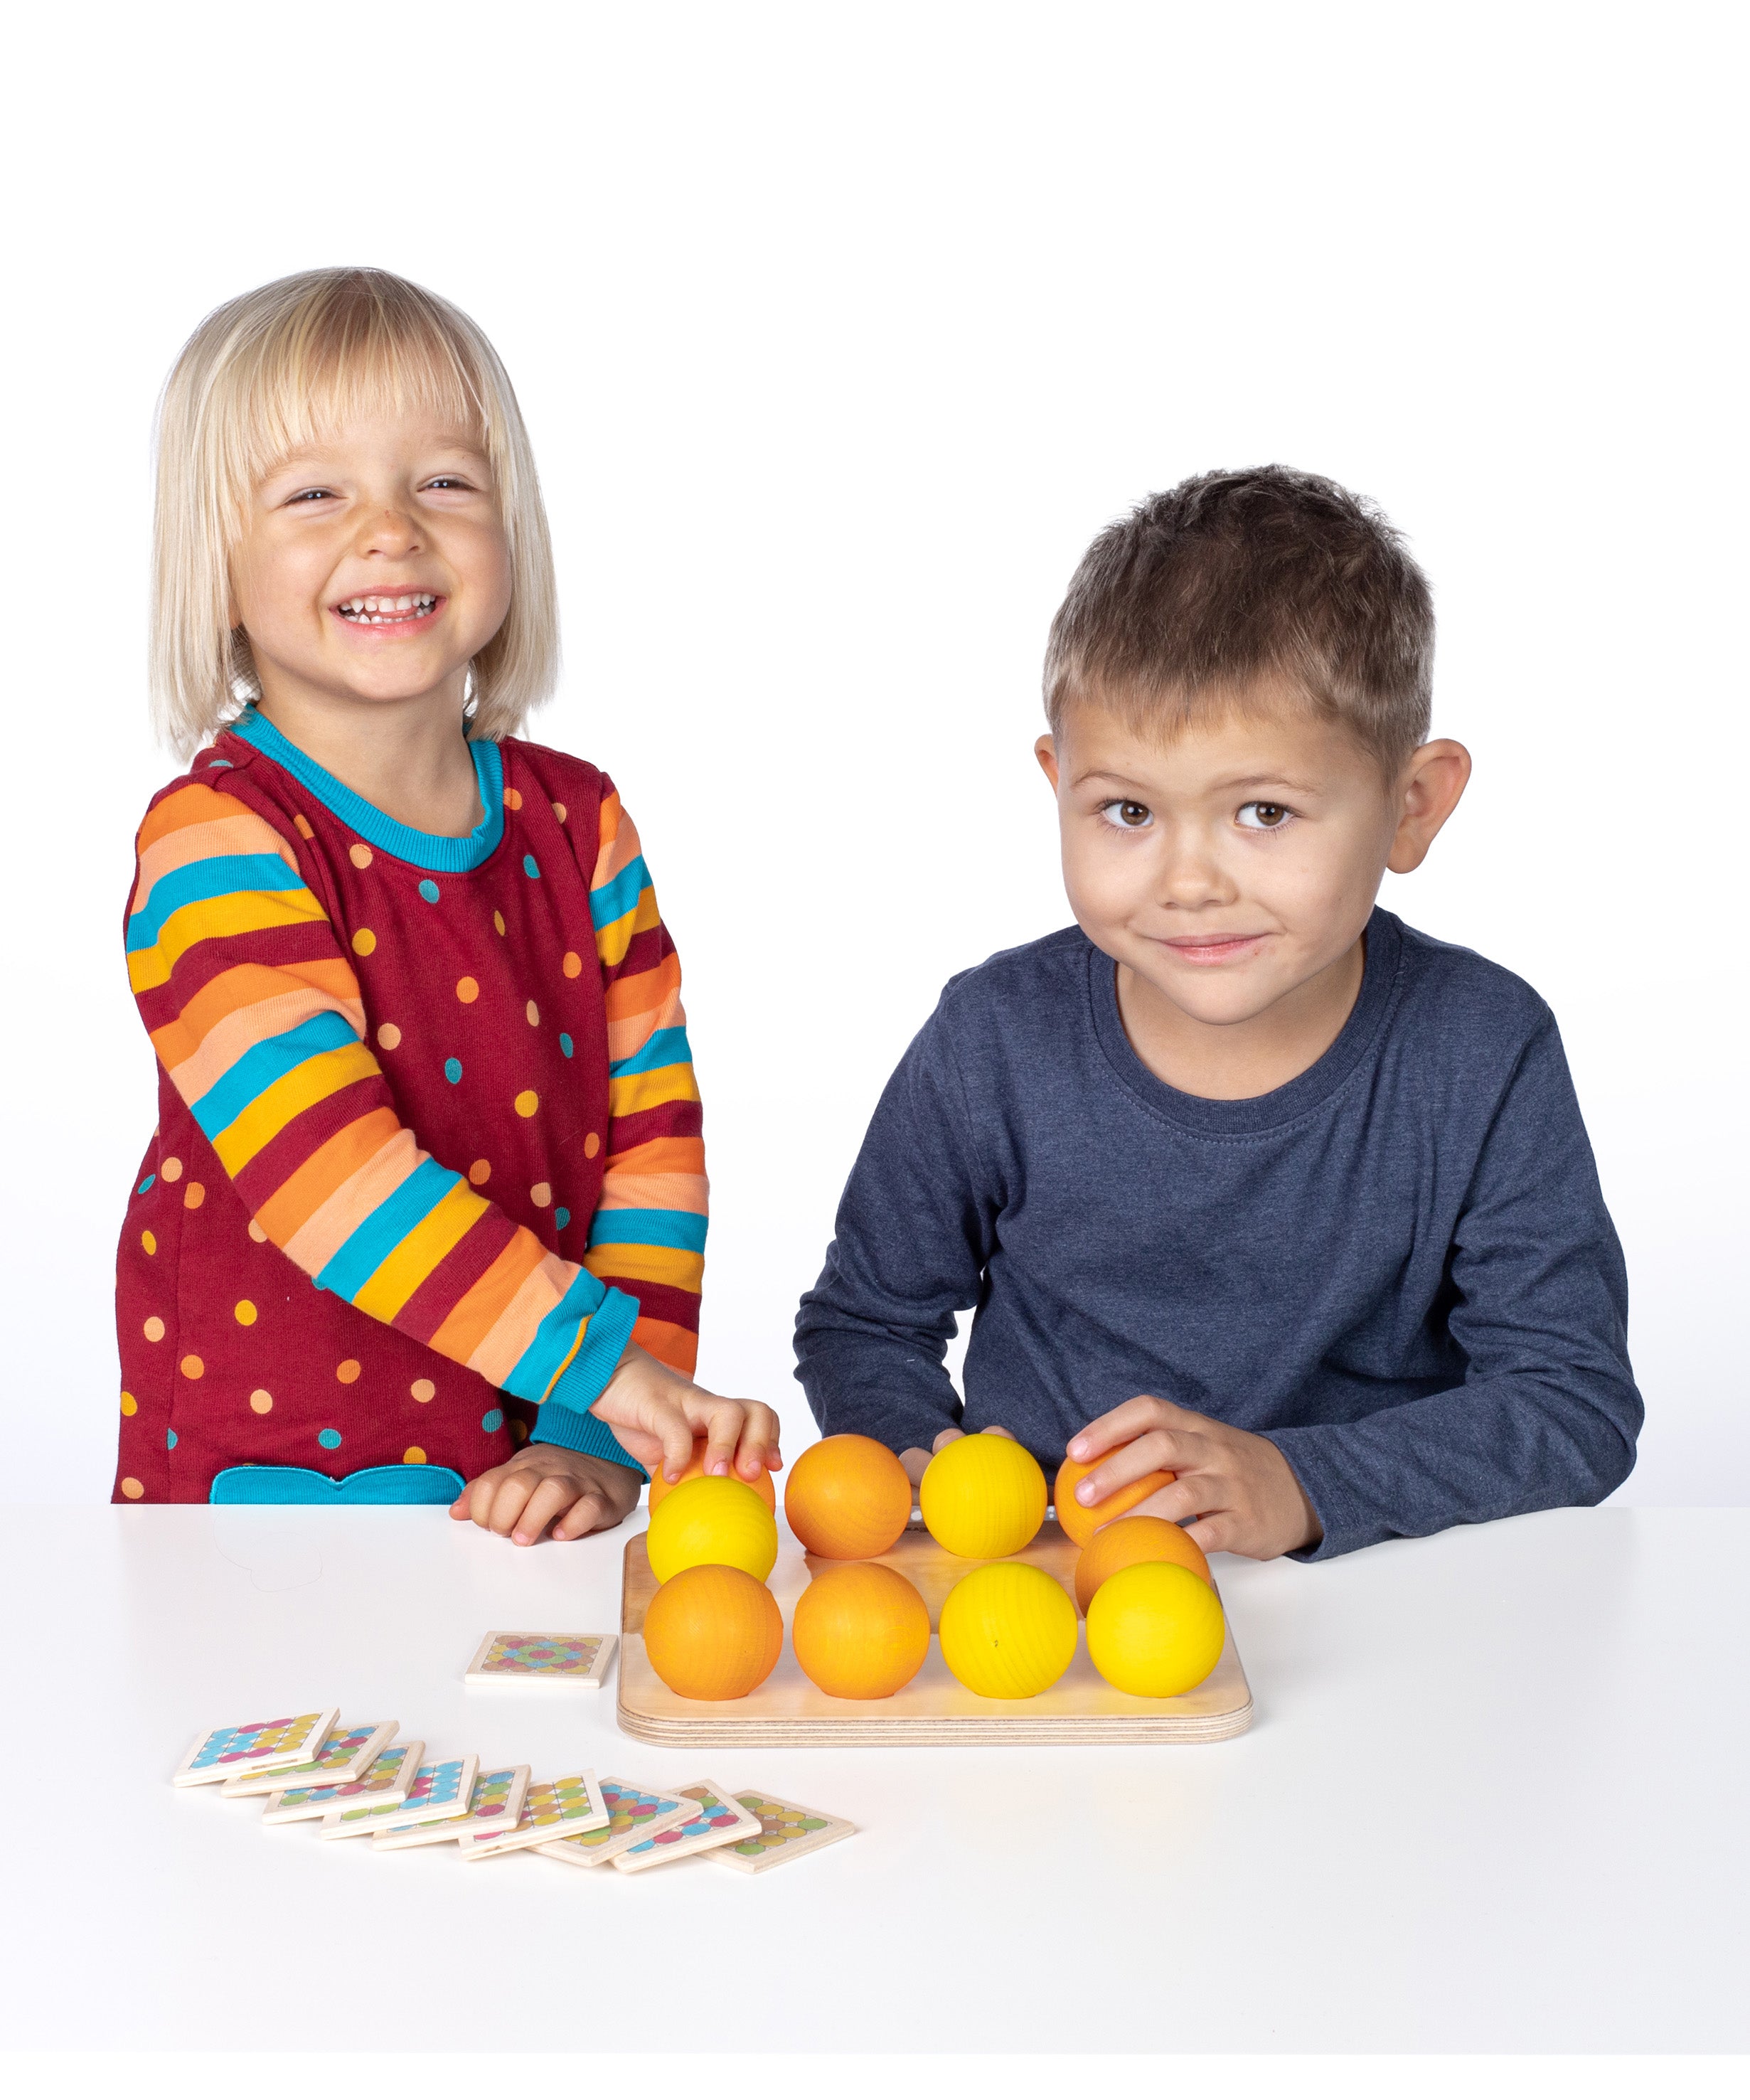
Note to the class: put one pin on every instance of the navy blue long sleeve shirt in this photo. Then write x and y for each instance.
(1399, 1267)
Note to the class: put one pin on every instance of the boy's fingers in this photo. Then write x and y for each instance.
(946, 1436)
(1169, 1502)
(996, 1429)
(1215, 1534)
(1158, 1452)
(1122, 1425)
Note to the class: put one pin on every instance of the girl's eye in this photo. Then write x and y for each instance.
(312, 495)
(1262, 816)
(1128, 816)
(447, 481)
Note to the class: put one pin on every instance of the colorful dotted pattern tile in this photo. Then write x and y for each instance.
(556, 1802)
(383, 1774)
(780, 1825)
(628, 1808)
(434, 1787)
(714, 1815)
(491, 1793)
(493, 1807)
(340, 1748)
(541, 1655)
(251, 1740)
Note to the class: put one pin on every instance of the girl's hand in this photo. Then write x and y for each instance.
(545, 1486)
(1234, 1493)
(658, 1415)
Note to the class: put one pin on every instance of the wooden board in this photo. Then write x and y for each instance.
(935, 1707)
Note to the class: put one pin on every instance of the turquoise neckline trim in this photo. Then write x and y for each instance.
(423, 848)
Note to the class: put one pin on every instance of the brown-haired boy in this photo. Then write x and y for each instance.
(1245, 1179)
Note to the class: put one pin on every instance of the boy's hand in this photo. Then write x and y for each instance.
(658, 1414)
(545, 1486)
(1234, 1493)
(915, 1461)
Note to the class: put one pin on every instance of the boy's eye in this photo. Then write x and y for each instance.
(1261, 816)
(1128, 816)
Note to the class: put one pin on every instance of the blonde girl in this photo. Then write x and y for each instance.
(424, 1216)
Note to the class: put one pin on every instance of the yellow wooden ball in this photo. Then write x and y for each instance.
(1155, 1629)
(1008, 1631)
(711, 1523)
(983, 1497)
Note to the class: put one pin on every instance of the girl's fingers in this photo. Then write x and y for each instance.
(722, 1429)
(506, 1503)
(588, 1513)
(757, 1451)
(552, 1497)
(677, 1435)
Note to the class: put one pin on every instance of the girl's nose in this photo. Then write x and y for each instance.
(389, 532)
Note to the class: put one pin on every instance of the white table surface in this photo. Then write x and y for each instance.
(1494, 1800)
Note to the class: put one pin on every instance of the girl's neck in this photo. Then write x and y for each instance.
(407, 758)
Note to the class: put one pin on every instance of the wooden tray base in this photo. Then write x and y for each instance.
(935, 1707)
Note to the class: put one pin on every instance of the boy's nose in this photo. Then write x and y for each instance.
(1194, 874)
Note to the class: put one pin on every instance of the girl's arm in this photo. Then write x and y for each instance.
(647, 1238)
(255, 1012)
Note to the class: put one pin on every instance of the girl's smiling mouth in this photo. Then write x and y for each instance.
(401, 611)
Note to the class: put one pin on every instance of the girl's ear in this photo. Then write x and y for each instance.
(1433, 780)
(1046, 751)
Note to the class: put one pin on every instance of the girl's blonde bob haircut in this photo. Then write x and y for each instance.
(260, 378)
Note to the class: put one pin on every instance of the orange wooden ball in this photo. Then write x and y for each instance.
(848, 1497)
(861, 1631)
(660, 1485)
(1080, 1523)
(713, 1632)
(1131, 1539)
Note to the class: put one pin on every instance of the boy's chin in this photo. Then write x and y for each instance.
(1227, 1001)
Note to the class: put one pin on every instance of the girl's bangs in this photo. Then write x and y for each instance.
(340, 361)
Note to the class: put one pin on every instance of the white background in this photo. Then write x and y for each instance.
(841, 330)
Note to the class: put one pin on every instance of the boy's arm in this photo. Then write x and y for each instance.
(647, 1238)
(254, 1011)
(1549, 1412)
(915, 1230)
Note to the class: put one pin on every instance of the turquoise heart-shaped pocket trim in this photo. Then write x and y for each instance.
(403, 1486)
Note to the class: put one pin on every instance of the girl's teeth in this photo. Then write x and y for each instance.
(372, 612)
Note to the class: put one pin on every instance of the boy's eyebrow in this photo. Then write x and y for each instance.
(1221, 787)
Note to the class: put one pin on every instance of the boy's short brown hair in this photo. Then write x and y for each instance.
(1234, 578)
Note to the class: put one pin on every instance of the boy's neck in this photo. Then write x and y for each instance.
(1238, 1061)
(408, 758)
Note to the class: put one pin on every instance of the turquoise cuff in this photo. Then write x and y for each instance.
(564, 1418)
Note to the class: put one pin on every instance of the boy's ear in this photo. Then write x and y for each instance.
(1432, 782)
(1046, 751)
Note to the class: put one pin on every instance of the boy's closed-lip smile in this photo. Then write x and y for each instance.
(1204, 948)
